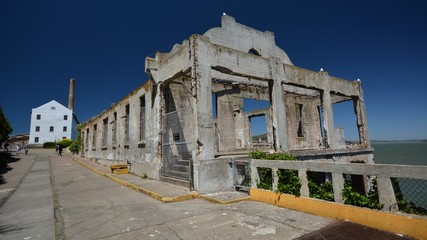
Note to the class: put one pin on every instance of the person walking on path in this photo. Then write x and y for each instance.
(18, 150)
(59, 150)
(26, 147)
(75, 149)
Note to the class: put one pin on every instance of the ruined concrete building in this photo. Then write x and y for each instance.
(197, 111)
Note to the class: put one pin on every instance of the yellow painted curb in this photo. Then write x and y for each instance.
(139, 189)
(414, 226)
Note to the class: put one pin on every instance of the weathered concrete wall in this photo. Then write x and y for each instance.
(232, 62)
(214, 175)
(114, 147)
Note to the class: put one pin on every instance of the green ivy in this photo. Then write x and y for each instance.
(265, 179)
(289, 181)
(370, 200)
(322, 191)
(257, 154)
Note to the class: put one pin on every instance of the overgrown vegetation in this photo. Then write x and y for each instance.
(64, 143)
(320, 188)
(4, 160)
(355, 198)
(257, 154)
(5, 127)
(408, 207)
(289, 181)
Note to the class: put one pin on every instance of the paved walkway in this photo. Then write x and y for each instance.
(74, 198)
(28, 213)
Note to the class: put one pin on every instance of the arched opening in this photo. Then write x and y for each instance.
(254, 52)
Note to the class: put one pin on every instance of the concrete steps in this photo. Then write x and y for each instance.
(175, 181)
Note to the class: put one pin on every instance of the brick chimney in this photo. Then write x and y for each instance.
(71, 95)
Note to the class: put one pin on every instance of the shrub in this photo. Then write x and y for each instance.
(71, 146)
(370, 200)
(4, 159)
(257, 154)
(49, 145)
(319, 187)
(289, 181)
(65, 142)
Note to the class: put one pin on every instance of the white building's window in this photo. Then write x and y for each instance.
(37, 128)
(52, 108)
(64, 137)
(64, 129)
(36, 139)
(65, 117)
(38, 117)
(51, 129)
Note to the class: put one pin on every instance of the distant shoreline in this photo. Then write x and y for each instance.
(399, 141)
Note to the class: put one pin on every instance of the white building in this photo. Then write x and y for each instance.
(51, 122)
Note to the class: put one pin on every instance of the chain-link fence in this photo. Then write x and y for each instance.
(411, 195)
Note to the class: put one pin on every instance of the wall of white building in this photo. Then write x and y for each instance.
(51, 122)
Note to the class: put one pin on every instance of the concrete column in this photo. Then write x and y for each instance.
(254, 175)
(328, 115)
(386, 194)
(280, 129)
(204, 142)
(305, 191)
(275, 178)
(337, 185)
(362, 122)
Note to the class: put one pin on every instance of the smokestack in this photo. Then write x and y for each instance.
(71, 95)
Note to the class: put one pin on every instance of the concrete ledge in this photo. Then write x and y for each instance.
(414, 226)
(224, 202)
(139, 189)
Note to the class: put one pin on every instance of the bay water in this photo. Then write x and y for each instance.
(405, 153)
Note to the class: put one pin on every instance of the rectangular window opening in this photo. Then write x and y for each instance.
(87, 139)
(256, 111)
(94, 135)
(214, 105)
(299, 118)
(113, 129)
(104, 132)
(345, 120)
(126, 136)
(142, 118)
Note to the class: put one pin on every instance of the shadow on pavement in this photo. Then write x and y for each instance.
(5, 159)
(9, 228)
(350, 231)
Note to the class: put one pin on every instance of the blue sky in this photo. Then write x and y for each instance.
(103, 44)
